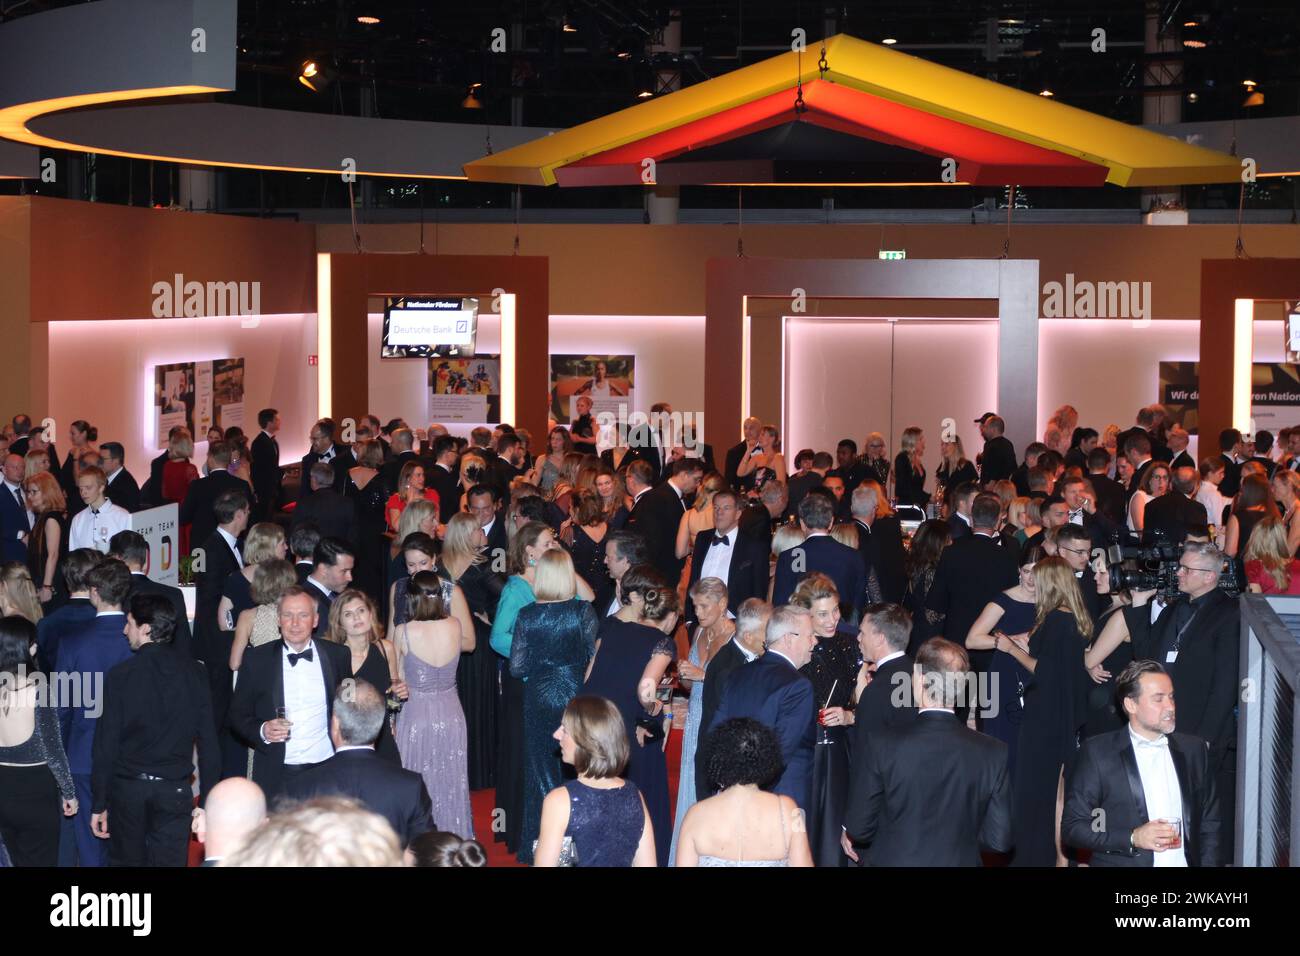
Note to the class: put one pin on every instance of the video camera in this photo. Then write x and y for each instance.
(1153, 566)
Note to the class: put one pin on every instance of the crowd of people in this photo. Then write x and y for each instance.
(876, 666)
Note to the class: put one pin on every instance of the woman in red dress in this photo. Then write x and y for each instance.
(178, 472)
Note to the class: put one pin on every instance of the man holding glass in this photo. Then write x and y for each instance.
(1143, 795)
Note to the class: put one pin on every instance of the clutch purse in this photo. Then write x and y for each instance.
(568, 852)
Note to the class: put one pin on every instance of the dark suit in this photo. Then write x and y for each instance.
(821, 552)
(1173, 512)
(958, 527)
(182, 639)
(1231, 482)
(729, 659)
(498, 539)
(1269, 464)
(1105, 778)
(1111, 498)
(998, 461)
(260, 690)
(930, 793)
(343, 462)
(656, 516)
(1135, 482)
(881, 546)
(1182, 460)
(196, 510)
(124, 491)
(798, 486)
(970, 572)
(211, 645)
(447, 484)
(772, 692)
(334, 514)
(71, 618)
(267, 475)
(735, 455)
(13, 522)
(757, 522)
(746, 573)
(323, 602)
(879, 708)
(397, 795)
(151, 493)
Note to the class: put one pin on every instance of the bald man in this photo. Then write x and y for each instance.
(736, 454)
(235, 808)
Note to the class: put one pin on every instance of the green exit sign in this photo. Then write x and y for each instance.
(893, 253)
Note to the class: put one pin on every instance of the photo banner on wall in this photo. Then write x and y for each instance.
(1274, 398)
(198, 395)
(608, 380)
(465, 389)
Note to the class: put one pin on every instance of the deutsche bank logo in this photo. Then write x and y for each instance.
(462, 326)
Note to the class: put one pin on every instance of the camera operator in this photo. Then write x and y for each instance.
(1197, 639)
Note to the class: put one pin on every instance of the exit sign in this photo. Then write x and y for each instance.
(313, 360)
(893, 253)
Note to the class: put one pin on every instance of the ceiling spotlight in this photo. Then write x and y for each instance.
(1256, 98)
(309, 75)
(567, 26)
(1192, 97)
(644, 95)
(1191, 23)
(368, 20)
(471, 100)
(889, 41)
(1249, 84)
(1194, 44)
(1046, 93)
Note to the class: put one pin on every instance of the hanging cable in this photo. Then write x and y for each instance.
(1240, 250)
(740, 222)
(352, 208)
(1011, 205)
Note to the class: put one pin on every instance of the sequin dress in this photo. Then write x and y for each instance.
(606, 825)
(833, 671)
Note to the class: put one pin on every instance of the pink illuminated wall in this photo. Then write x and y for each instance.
(103, 372)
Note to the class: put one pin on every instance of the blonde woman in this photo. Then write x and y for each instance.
(1271, 566)
(1055, 710)
(17, 593)
(1286, 491)
(909, 469)
(768, 463)
(955, 468)
(846, 533)
(697, 518)
(48, 541)
(354, 623)
(417, 516)
(260, 624)
(473, 471)
(265, 541)
(37, 462)
(876, 458)
(1026, 516)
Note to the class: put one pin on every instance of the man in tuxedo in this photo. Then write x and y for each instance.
(197, 510)
(266, 472)
(1127, 784)
(74, 614)
(235, 808)
(441, 475)
(132, 549)
(284, 698)
(1198, 640)
(324, 449)
(356, 771)
(331, 573)
(331, 511)
(1084, 441)
(157, 713)
(84, 658)
(655, 444)
(481, 444)
(1177, 509)
(1146, 427)
(22, 425)
(736, 454)
(1178, 442)
(930, 792)
(623, 550)
(960, 499)
(403, 445)
(1111, 496)
(970, 572)
(508, 464)
(14, 522)
(1264, 445)
(772, 691)
(998, 460)
(880, 541)
(1033, 451)
(657, 512)
(1081, 510)
(820, 552)
(484, 503)
(1138, 451)
(724, 553)
(123, 490)
(746, 645)
(1055, 513)
(761, 518)
(1230, 448)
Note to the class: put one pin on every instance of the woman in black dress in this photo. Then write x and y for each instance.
(463, 561)
(876, 459)
(834, 668)
(1055, 711)
(365, 486)
(355, 623)
(613, 497)
(634, 649)
(47, 543)
(954, 469)
(922, 560)
(586, 539)
(1110, 653)
(909, 472)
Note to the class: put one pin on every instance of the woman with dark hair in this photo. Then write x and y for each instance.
(922, 559)
(909, 470)
(1154, 483)
(613, 497)
(600, 819)
(354, 623)
(765, 463)
(586, 532)
(431, 726)
(241, 464)
(546, 469)
(633, 652)
(1253, 503)
(436, 848)
(410, 487)
(34, 774)
(47, 544)
(82, 436)
(743, 825)
(419, 553)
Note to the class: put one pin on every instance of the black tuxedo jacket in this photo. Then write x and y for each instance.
(747, 573)
(642, 448)
(735, 455)
(1182, 460)
(343, 462)
(447, 484)
(1105, 778)
(656, 516)
(267, 474)
(1172, 512)
(332, 511)
(211, 644)
(958, 527)
(929, 793)
(756, 521)
(839, 562)
(260, 690)
(182, 639)
(151, 493)
(999, 460)
(391, 472)
(879, 707)
(13, 521)
(1111, 498)
(323, 603)
(881, 547)
(1135, 482)
(725, 662)
(397, 795)
(124, 491)
(196, 510)
(498, 537)
(1205, 673)
(970, 572)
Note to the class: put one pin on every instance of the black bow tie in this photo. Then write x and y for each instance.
(305, 655)
(717, 539)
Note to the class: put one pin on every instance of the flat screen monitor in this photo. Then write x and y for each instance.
(429, 327)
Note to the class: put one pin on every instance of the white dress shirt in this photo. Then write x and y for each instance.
(740, 645)
(305, 703)
(717, 560)
(889, 657)
(93, 527)
(1164, 798)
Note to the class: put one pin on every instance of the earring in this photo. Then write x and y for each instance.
(532, 562)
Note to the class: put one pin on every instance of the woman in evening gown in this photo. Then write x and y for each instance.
(909, 471)
(354, 623)
(1055, 711)
(365, 486)
(586, 537)
(431, 726)
(634, 651)
(553, 642)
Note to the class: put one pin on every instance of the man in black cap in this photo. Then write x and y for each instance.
(998, 461)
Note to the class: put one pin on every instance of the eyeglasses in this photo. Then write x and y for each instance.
(1061, 547)
(1191, 570)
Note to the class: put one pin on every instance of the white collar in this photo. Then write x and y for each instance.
(780, 655)
(730, 535)
(230, 538)
(889, 657)
(318, 586)
(962, 517)
(108, 613)
(339, 750)
(749, 655)
(937, 710)
(1139, 741)
(109, 478)
(311, 646)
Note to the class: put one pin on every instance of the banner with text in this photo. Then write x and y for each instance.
(465, 390)
(606, 380)
(1274, 399)
(161, 528)
(199, 396)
